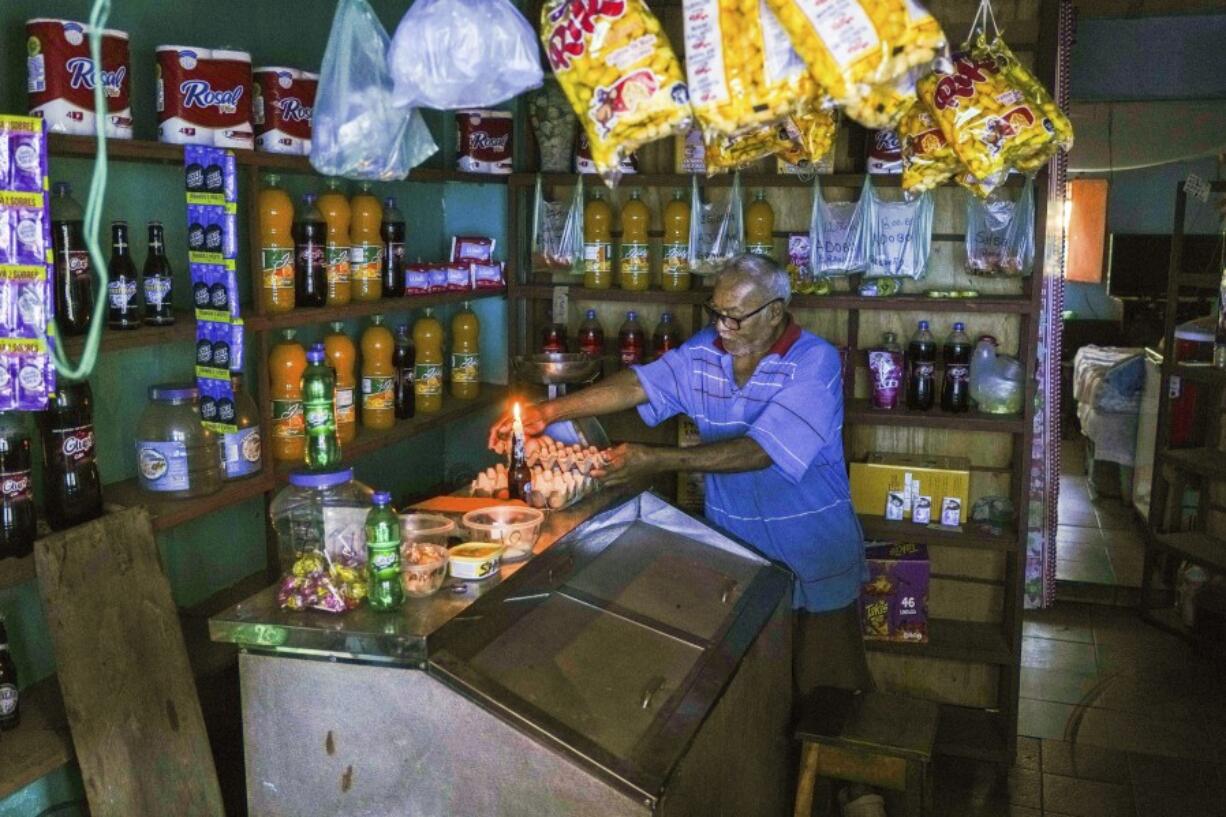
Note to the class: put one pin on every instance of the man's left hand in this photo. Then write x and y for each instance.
(628, 462)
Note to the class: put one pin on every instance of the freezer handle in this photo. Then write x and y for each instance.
(729, 588)
(649, 691)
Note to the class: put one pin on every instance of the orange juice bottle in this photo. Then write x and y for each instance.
(635, 270)
(335, 208)
(597, 242)
(378, 377)
(286, 363)
(760, 226)
(428, 369)
(341, 356)
(465, 354)
(276, 247)
(366, 246)
(675, 246)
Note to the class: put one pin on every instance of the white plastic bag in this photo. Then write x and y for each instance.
(557, 231)
(357, 131)
(1000, 234)
(836, 235)
(898, 235)
(717, 231)
(453, 54)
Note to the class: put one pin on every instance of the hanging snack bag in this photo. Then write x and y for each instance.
(928, 160)
(717, 231)
(1000, 234)
(815, 133)
(1036, 93)
(885, 154)
(619, 72)
(557, 231)
(836, 236)
(920, 42)
(898, 235)
(885, 104)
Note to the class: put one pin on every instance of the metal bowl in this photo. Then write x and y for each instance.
(556, 367)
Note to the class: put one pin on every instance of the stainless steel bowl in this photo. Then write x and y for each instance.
(556, 367)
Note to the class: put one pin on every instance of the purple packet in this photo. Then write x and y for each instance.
(196, 217)
(9, 362)
(7, 255)
(6, 170)
(32, 387)
(30, 236)
(236, 347)
(26, 170)
(214, 229)
(204, 343)
(200, 285)
(229, 169)
(221, 346)
(416, 280)
(438, 277)
(488, 276)
(459, 277)
(208, 400)
(30, 315)
(229, 235)
(885, 368)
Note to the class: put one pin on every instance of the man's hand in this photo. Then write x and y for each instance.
(534, 417)
(629, 462)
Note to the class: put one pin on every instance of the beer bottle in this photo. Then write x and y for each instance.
(159, 280)
(383, 554)
(323, 452)
(519, 478)
(123, 305)
(10, 698)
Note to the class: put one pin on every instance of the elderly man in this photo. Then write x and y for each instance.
(767, 399)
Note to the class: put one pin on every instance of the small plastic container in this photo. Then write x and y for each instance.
(474, 561)
(514, 528)
(176, 456)
(425, 528)
(423, 568)
(322, 512)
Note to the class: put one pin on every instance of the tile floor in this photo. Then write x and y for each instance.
(1099, 540)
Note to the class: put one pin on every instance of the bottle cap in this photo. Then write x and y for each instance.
(377, 320)
(390, 202)
(591, 314)
(61, 189)
(316, 355)
(632, 315)
(667, 317)
(337, 326)
(320, 479)
(174, 392)
(308, 198)
(119, 222)
(289, 334)
(959, 327)
(382, 498)
(923, 325)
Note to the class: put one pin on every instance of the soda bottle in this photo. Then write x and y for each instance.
(465, 354)
(243, 447)
(885, 367)
(334, 207)
(366, 245)
(597, 243)
(342, 355)
(72, 491)
(10, 697)
(17, 515)
(159, 280)
(667, 335)
(404, 358)
(123, 306)
(428, 370)
(921, 364)
(956, 387)
(760, 226)
(591, 336)
(276, 247)
(392, 232)
(323, 452)
(631, 340)
(310, 269)
(675, 245)
(553, 338)
(286, 363)
(74, 284)
(635, 270)
(383, 554)
(378, 377)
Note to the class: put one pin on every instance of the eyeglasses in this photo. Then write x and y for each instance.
(715, 316)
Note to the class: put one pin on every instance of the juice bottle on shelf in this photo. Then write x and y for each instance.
(631, 340)
(334, 207)
(342, 356)
(323, 452)
(310, 270)
(428, 370)
(366, 245)
(404, 358)
(392, 231)
(378, 377)
(276, 247)
(635, 270)
(675, 245)
(760, 226)
(591, 336)
(667, 335)
(597, 243)
(286, 363)
(465, 354)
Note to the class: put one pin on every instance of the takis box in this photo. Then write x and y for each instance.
(894, 600)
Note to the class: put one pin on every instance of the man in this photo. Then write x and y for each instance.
(767, 399)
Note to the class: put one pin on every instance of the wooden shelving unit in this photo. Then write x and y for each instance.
(364, 309)
(877, 528)
(114, 340)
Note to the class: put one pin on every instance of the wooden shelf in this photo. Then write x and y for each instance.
(114, 340)
(1198, 373)
(954, 640)
(168, 513)
(859, 411)
(1197, 547)
(978, 734)
(683, 180)
(880, 529)
(1205, 462)
(41, 744)
(308, 316)
(544, 292)
(1200, 280)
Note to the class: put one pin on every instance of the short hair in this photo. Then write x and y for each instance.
(762, 272)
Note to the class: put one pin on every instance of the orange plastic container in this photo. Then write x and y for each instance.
(276, 247)
(597, 242)
(342, 356)
(378, 376)
(675, 245)
(286, 363)
(366, 245)
(428, 369)
(634, 271)
(465, 354)
(335, 208)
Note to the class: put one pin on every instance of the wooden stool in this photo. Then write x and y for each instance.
(874, 738)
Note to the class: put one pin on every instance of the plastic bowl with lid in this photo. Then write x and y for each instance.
(423, 568)
(425, 527)
(475, 560)
(513, 527)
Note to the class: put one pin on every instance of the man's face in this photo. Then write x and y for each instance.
(740, 297)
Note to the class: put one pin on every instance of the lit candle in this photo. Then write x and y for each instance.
(517, 426)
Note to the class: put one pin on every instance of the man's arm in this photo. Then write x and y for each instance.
(615, 393)
(629, 461)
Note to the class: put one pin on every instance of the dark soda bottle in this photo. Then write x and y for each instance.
(323, 452)
(519, 476)
(10, 697)
(956, 387)
(667, 335)
(921, 368)
(404, 358)
(74, 283)
(72, 490)
(123, 306)
(591, 336)
(159, 280)
(17, 515)
(392, 231)
(631, 340)
(310, 272)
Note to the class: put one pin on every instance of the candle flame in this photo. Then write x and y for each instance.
(515, 412)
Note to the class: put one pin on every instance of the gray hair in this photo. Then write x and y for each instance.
(760, 271)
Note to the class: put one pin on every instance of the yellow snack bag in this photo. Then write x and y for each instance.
(731, 152)
(840, 40)
(928, 160)
(883, 107)
(920, 42)
(619, 72)
(813, 138)
(1036, 93)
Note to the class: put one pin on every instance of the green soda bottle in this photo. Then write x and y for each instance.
(323, 451)
(383, 554)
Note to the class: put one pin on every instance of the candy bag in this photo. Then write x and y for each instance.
(619, 72)
(356, 130)
(1000, 234)
(452, 54)
(557, 231)
(897, 235)
(928, 160)
(717, 231)
(836, 236)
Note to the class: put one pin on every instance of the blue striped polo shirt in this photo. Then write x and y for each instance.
(798, 511)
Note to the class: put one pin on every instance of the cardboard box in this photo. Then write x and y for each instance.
(912, 474)
(894, 601)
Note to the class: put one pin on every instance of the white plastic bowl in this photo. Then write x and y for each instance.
(425, 527)
(513, 527)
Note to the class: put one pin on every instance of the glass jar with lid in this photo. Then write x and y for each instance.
(321, 512)
(176, 456)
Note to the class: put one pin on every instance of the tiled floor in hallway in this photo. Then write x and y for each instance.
(1099, 540)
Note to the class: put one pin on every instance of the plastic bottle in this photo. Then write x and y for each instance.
(597, 242)
(72, 491)
(591, 336)
(176, 454)
(675, 245)
(310, 269)
(667, 335)
(392, 231)
(17, 515)
(334, 207)
(955, 388)
(286, 363)
(10, 685)
(123, 307)
(983, 365)
(366, 245)
(465, 354)
(241, 457)
(404, 358)
(428, 370)
(553, 337)
(74, 283)
(383, 554)
(634, 272)
(276, 247)
(631, 340)
(921, 365)
(760, 226)
(342, 355)
(323, 452)
(378, 377)
(158, 280)
(886, 368)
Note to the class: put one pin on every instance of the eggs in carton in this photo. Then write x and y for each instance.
(561, 474)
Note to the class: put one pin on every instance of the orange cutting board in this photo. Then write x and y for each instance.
(463, 504)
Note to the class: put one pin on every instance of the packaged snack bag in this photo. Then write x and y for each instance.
(928, 160)
(817, 129)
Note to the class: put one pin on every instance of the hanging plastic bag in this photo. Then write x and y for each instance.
(883, 106)
(357, 131)
(898, 235)
(1000, 234)
(557, 231)
(836, 236)
(817, 129)
(453, 54)
(928, 160)
(717, 231)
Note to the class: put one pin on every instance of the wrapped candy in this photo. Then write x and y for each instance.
(317, 583)
(928, 160)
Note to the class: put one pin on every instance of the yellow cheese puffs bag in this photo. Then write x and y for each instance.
(619, 72)
(1035, 92)
(805, 137)
(927, 159)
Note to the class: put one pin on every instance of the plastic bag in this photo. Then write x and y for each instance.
(452, 54)
(920, 42)
(357, 131)
(883, 106)
(802, 138)
(717, 231)
(928, 160)
(817, 130)
(836, 235)
(1000, 234)
(557, 231)
(897, 235)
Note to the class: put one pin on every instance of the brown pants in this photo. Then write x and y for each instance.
(828, 650)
